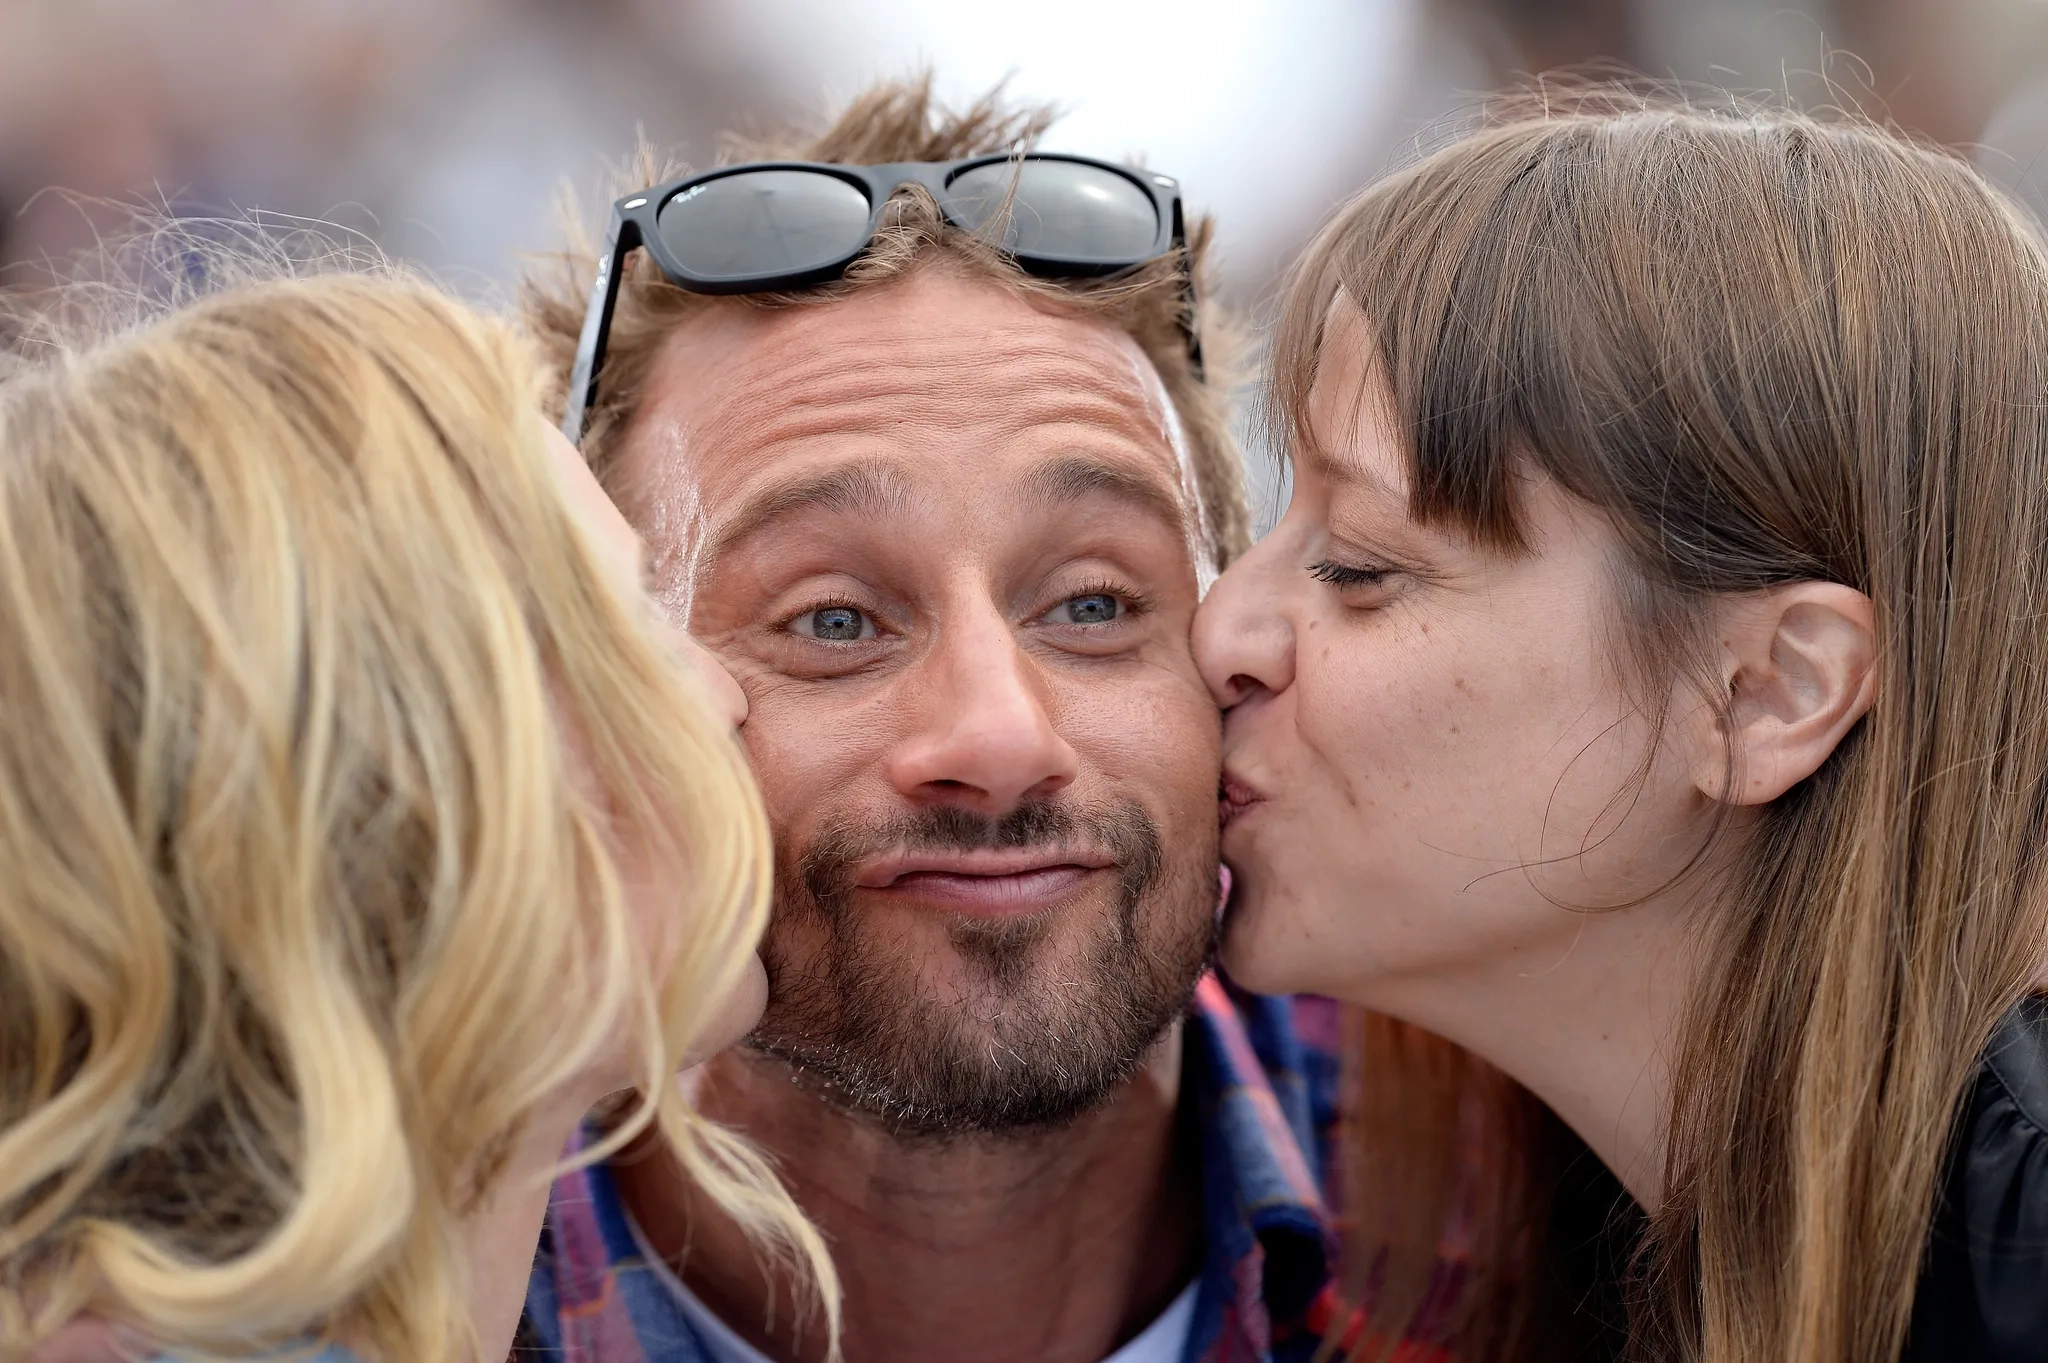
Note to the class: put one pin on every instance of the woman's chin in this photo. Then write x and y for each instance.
(1252, 953)
(737, 1017)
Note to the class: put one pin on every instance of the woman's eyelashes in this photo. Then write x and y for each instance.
(1343, 575)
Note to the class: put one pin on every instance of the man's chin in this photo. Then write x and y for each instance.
(1002, 1033)
(958, 1103)
(959, 1023)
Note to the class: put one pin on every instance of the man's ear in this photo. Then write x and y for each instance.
(1798, 665)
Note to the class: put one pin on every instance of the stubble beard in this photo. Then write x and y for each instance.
(1014, 1048)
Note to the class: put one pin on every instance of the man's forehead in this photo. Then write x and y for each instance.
(942, 365)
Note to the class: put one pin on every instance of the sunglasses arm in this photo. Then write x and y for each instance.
(1189, 322)
(621, 237)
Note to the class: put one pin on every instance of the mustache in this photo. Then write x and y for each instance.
(1121, 829)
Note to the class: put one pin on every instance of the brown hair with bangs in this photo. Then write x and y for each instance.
(895, 121)
(1768, 348)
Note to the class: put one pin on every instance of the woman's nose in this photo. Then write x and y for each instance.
(1244, 633)
(727, 699)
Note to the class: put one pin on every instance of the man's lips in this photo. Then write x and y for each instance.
(984, 881)
(1233, 797)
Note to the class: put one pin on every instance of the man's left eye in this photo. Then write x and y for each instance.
(1094, 608)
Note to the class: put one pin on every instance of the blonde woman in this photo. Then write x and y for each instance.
(1647, 691)
(362, 824)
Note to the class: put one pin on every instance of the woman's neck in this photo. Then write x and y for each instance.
(499, 1238)
(1587, 1020)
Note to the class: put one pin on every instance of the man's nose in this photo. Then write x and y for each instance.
(987, 738)
(1244, 632)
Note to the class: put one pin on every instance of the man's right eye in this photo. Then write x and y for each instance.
(834, 624)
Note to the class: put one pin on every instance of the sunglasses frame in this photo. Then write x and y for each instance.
(635, 224)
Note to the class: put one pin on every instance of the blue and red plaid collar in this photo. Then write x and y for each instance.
(1271, 1240)
(1263, 1097)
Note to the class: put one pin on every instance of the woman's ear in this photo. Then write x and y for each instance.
(1798, 663)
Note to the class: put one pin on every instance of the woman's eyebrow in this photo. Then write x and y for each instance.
(1346, 469)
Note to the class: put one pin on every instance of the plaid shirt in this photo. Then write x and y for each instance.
(1264, 1073)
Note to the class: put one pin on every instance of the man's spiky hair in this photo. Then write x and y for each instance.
(891, 122)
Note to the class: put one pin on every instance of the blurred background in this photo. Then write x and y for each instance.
(446, 129)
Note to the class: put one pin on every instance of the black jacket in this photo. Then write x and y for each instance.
(1983, 1295)
(1983, 1291)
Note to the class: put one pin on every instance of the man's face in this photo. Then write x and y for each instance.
(939, 537)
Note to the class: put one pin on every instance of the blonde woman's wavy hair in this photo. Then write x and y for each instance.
(301, 916)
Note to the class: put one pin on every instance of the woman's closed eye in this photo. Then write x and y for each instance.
(1343, 575)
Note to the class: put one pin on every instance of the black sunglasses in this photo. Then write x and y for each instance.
(774, 225)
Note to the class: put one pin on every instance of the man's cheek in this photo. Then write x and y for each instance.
(1163, 746)
(802, 752)
(779, 766)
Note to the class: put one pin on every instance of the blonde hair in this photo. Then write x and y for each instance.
(303, 917)
(1768, 348)
(893, 121)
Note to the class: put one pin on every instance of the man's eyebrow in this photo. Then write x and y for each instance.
(871, 488)
(1073, 477)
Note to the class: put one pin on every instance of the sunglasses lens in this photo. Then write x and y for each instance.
(761, 223)
(1061, 210)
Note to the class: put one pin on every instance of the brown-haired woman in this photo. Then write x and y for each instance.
(1645, 701)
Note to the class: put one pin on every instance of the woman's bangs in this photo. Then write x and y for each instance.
(1436, 259)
